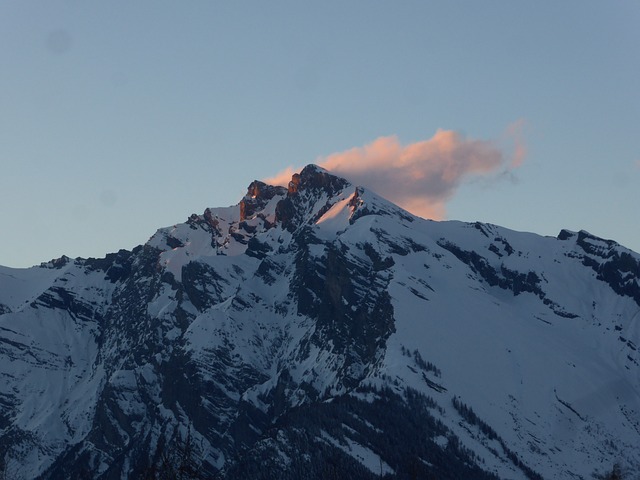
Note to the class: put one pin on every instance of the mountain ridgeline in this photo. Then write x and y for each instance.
(318, 332)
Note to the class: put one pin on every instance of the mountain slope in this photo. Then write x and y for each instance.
(321, 330)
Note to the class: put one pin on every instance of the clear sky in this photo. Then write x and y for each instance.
(118, 118)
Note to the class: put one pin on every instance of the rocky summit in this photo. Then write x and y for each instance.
(321, 332)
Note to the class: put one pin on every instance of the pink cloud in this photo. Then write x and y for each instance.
(282, 178)
(422, 176)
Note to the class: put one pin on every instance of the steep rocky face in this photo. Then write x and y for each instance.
(348, 299)
(620, 270)
(319, 331)
(306, 191)
(258, 195)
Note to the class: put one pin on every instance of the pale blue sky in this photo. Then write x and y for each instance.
(117, 118)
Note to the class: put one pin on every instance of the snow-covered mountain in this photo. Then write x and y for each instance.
(320, 331)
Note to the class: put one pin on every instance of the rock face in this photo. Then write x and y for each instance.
(319, 331)
(257, 197)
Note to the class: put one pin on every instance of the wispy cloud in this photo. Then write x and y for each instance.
(515, 135)
(422, 176)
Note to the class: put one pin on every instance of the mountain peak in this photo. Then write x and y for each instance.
(314, 177)
(309, 192)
